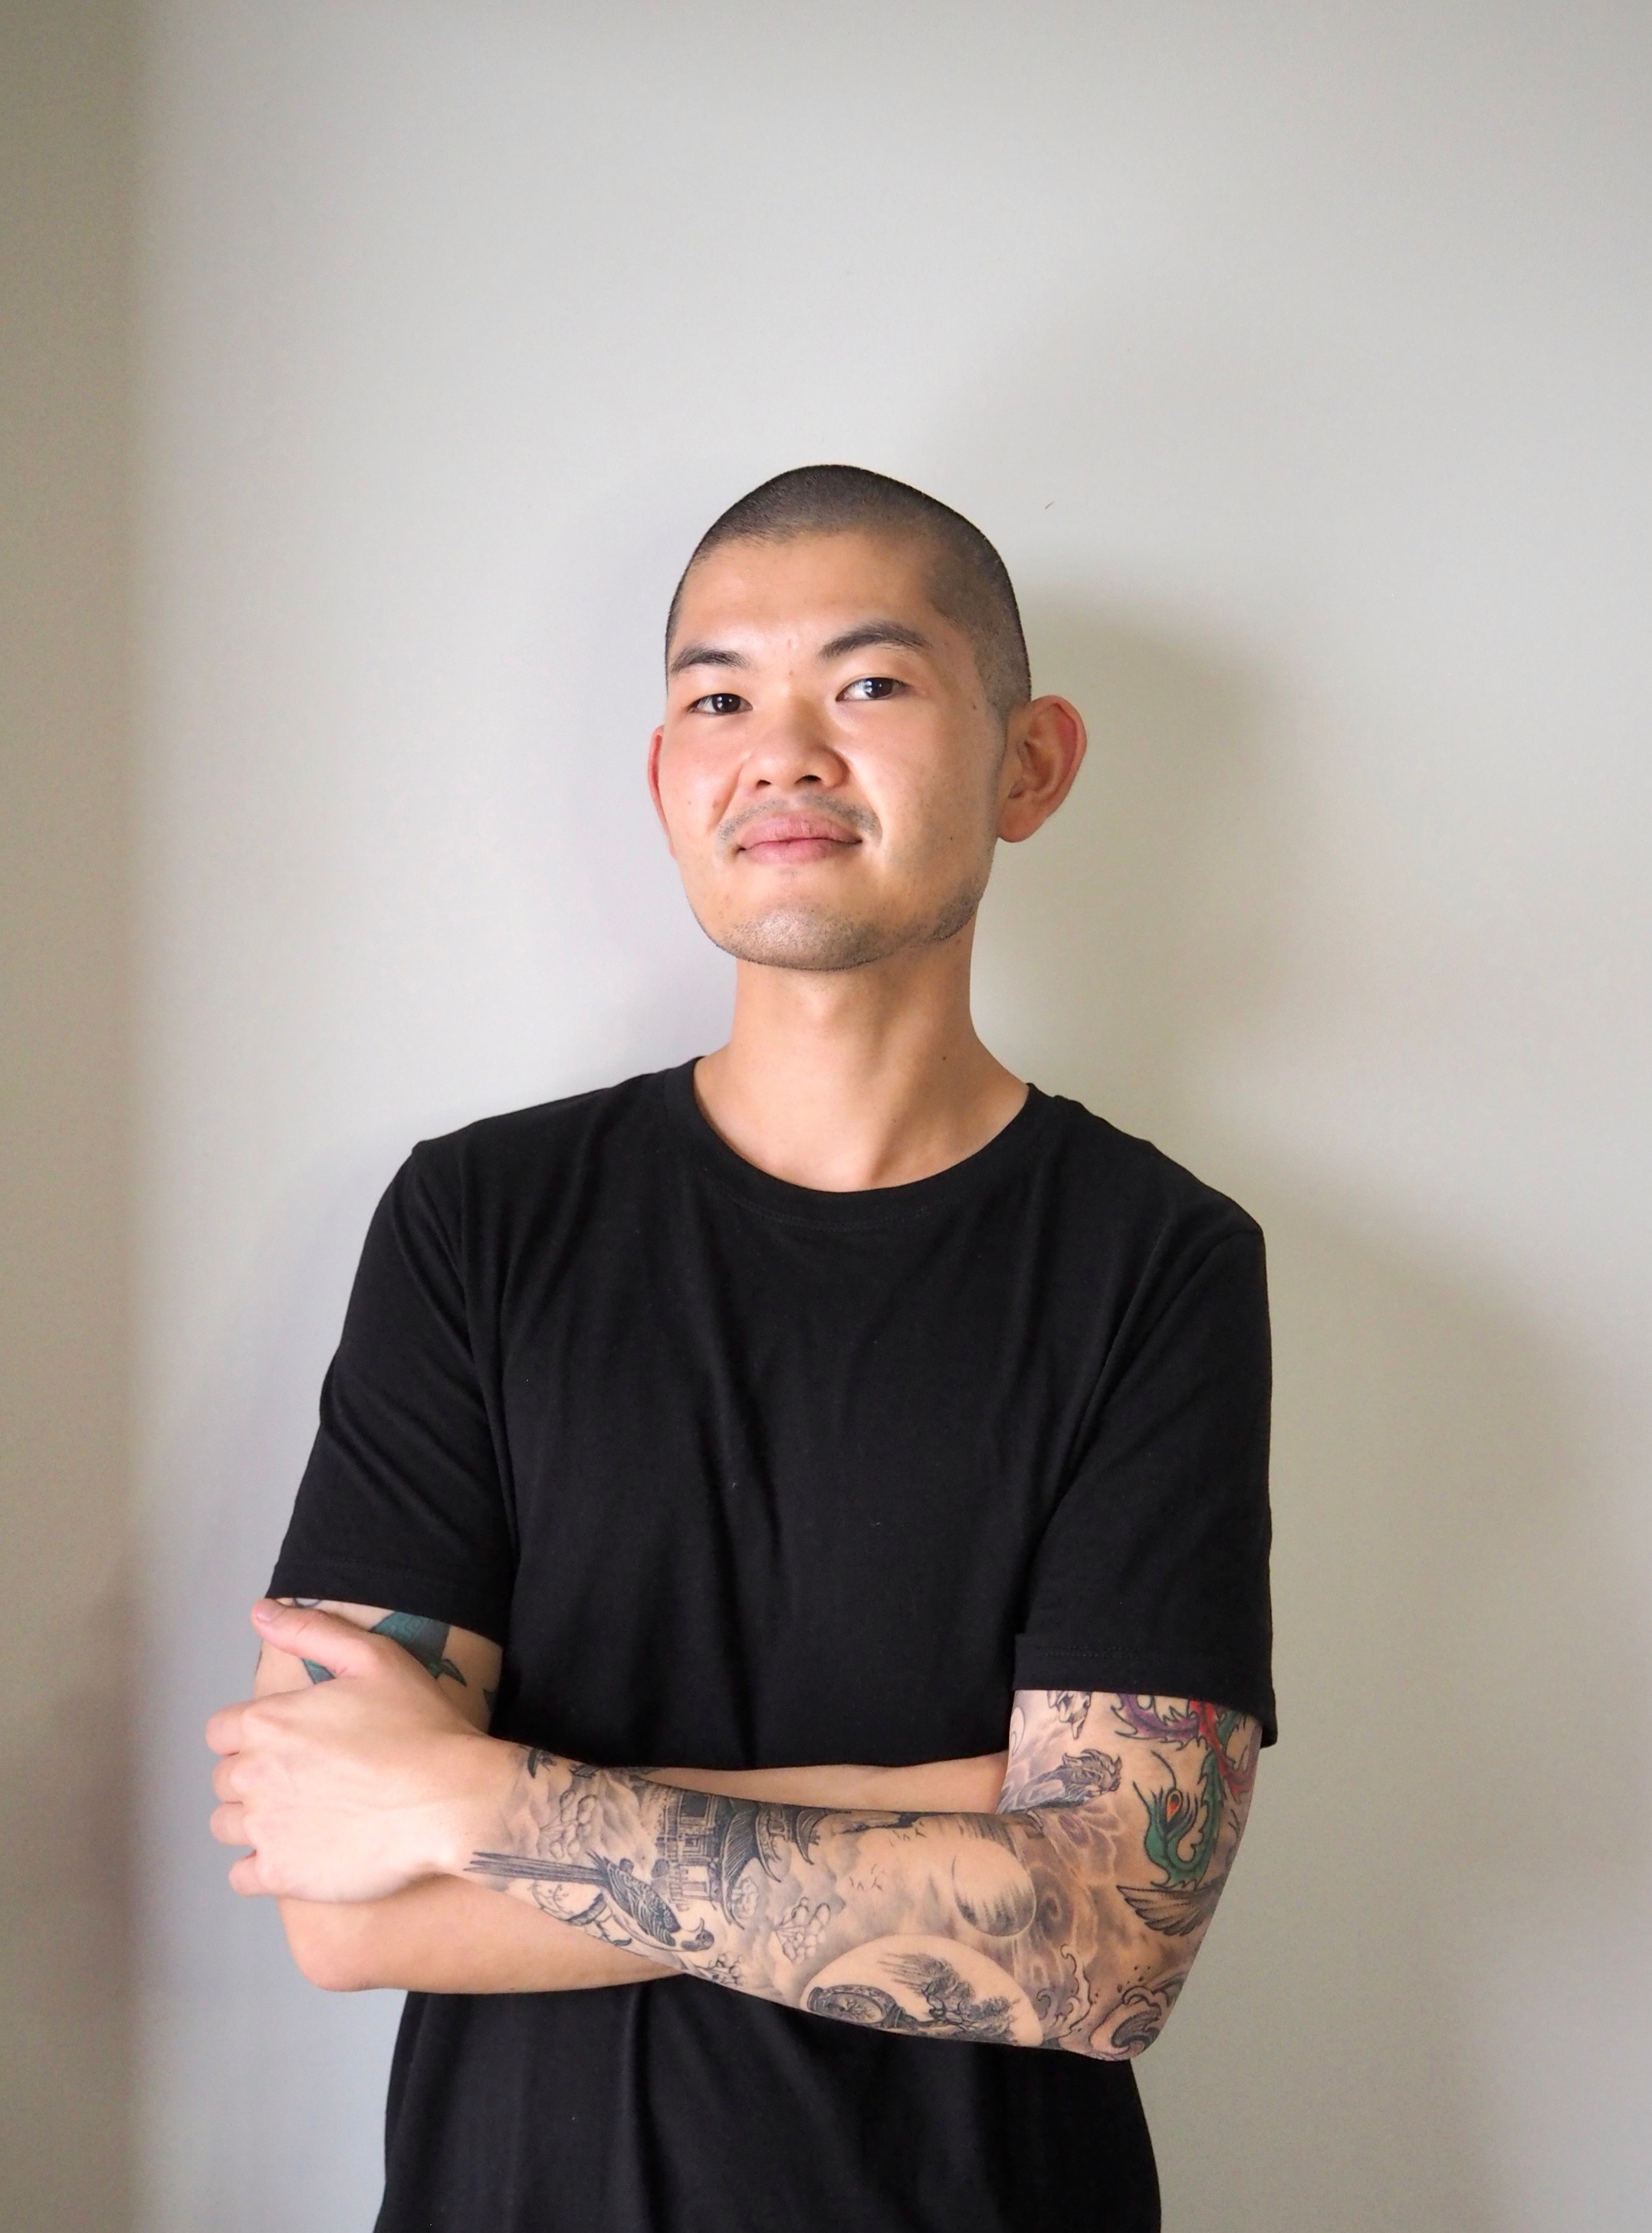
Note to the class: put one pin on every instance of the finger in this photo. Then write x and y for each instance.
(229, 1824)
(226, 1777)
(245, 1879)
(320, 1637)
(223, 1731)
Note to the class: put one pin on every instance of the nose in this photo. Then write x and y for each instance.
(791, 749)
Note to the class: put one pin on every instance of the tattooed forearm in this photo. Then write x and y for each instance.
(1140, 2014)
(1067, 1919)
(1185, 1831)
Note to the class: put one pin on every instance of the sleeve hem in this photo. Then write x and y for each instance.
(1046, 1666)
(405, 1589)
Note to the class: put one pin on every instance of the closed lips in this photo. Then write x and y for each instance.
(796, 829)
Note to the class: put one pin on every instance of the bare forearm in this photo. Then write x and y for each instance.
(937, 1786)
(446, 1935)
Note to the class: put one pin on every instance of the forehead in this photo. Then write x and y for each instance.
(811, 587)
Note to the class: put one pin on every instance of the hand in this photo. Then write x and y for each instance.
(355, 1787)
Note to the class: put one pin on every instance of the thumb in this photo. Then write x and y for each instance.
(321, 1639)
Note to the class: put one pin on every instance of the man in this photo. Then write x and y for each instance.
(837, 1399)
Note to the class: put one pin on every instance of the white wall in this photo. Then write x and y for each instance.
(1297, 358)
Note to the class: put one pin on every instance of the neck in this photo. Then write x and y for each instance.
(843, 1079)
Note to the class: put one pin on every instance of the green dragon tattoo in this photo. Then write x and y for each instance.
(1184, 1828)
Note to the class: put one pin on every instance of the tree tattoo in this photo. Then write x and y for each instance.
(950, 2008)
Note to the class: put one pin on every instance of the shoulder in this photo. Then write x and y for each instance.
(1111, 1181)
(527, 1156)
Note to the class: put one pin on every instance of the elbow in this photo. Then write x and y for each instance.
(333, 1976)
(1134, 2020)
(330, 1945)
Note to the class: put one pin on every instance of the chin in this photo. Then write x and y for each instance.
(823, 937)
(794, 938)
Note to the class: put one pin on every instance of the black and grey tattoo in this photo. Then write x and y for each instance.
(1139, 2015)
(1034, 1926)
(950, 2009)
(1070, 1708)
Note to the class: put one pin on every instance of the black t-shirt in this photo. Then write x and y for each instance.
(743, 1475)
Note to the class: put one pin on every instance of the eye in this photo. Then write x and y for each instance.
(720, 701)
(870, 687)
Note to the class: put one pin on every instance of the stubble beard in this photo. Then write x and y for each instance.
(822, 938)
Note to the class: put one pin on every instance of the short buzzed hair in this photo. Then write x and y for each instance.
(969, 584)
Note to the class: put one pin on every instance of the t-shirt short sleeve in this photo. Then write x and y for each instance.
(402, 1502)
(1152, 1575)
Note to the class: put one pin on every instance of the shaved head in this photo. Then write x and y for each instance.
(968, 584)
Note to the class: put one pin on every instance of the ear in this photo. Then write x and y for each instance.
(656, 743)
(1044, 752)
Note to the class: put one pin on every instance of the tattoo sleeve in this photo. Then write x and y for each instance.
(1067, 1918)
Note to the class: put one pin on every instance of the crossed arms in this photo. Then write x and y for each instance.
(408, 1848)
(447, 1934)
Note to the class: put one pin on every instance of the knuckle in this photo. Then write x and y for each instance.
(259, 1724)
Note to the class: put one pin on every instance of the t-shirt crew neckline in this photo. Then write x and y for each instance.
(862, 1207)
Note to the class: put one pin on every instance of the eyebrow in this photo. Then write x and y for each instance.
(704, 654)
(869, 632)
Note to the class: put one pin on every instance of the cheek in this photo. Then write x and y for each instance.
(931, 821)
(695, 789)
(688, 809)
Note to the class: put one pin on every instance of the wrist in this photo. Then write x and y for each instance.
(481, 1779)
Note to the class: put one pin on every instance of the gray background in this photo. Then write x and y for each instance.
(371, 368)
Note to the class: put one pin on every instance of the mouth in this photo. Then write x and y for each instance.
(792, 840)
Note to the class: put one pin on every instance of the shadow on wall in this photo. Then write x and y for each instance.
(251, 2069)
(1435, 1581)
(67, 1970)
(66, 1892)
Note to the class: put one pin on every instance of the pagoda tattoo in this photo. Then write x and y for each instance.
(706, 1843)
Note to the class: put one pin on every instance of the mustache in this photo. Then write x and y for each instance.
(859, 819)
